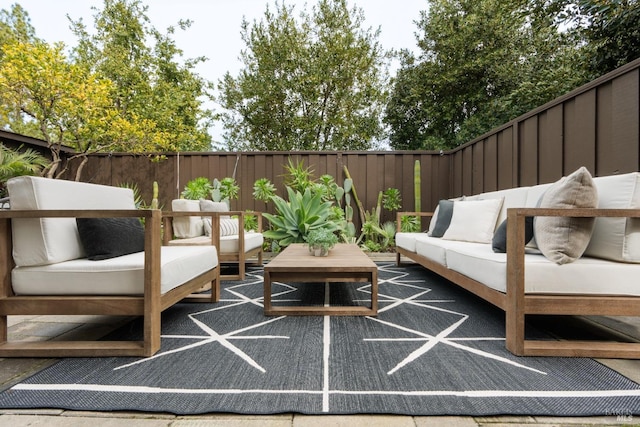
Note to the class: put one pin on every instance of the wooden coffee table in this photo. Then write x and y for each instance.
(345, 263)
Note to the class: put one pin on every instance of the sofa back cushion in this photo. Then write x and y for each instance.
(188, 226)
(52, 240)
(617, 239)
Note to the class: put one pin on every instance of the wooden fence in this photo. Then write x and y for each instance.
(596, 125)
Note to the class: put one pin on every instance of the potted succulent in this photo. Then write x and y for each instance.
(320, 241)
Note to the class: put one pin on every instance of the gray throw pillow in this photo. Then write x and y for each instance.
(564, 239)
(499, 242)
(443, 220)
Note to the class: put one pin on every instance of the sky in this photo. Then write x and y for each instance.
(215, 31)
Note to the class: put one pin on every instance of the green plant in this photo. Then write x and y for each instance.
(224, 190)
(321, 238)
(16, 163)
(298, 216)
(297, 176)
(263, 190)
(416, 191)
(198, 188)
(409, 224)
(250, 221)
(391, 199)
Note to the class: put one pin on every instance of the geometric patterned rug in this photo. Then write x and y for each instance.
(433, 349)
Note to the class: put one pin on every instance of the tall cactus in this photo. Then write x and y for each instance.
(417, 192)
(154, 200)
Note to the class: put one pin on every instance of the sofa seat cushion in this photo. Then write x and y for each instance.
(228, 244)
(115, 276)
(435, 249)
(586, 276)
(407, 241)
(252, 240)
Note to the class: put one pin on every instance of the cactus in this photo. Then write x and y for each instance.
(416, 191)
(154, 200)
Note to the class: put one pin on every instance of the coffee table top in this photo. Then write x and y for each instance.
(343, 257)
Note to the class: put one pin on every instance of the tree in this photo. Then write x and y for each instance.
(611, 28)
(314, 84)
(483, 62)
(150, 86)
(68, 105)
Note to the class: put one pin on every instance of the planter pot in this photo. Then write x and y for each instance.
(320, 251)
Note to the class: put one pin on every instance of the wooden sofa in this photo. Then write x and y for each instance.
(44, 269)
(203, 222)
(604, 281)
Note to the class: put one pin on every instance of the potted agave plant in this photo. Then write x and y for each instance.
(320, 241)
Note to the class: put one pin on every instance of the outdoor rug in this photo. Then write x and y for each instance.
(433, 349)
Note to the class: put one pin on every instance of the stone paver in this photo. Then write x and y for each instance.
(352, 421)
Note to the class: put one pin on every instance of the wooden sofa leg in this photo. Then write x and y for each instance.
(514, 333)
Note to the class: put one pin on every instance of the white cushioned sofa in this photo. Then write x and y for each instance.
(603, 279)
(72, 248)
(194, 222)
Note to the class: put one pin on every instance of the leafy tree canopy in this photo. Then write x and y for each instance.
(317, 83)
(483, 63)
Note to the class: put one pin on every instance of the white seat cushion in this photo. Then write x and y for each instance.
(435, 249)
(586, 276)
(228, 244)
(123, 275)
(407, 241)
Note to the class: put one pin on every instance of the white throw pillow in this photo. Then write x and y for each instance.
(474, 220)
(228, 226)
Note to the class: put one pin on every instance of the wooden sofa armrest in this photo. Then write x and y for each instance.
(516, 298)
(399, 216)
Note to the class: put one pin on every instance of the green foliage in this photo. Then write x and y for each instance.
(297, 176)
(224, 190)
(198, 188)
(297, 217)
(483, 63)
(313, 83)
(322, 238)
(391, 199)
(263, 190)
(17, 163)
(611, 30)
(410, 224)
(250, 221)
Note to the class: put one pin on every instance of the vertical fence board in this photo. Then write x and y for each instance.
(550, 142)
(528, 149)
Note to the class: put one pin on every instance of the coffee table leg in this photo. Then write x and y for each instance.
(267, 292)
(374, 292)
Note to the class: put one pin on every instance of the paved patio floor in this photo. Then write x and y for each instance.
(12, 370)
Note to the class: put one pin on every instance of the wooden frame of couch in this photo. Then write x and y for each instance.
(150, 305)
(516, 304)
(239, 258)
